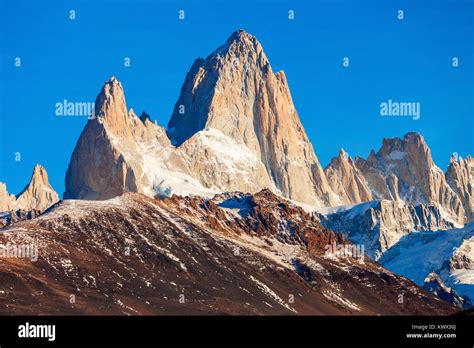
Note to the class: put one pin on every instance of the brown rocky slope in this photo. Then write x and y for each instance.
(235, 254)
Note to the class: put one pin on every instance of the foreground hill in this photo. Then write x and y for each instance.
(235, 254)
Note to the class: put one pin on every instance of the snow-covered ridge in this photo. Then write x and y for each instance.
(449, 254)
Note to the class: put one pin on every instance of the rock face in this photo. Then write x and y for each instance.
(346, 180)
(380, 224)
(6, 200)
(224, 255)
(236, 92)
(460, 176)
(234, 127)
(403, 170)
(99, 167)
(37, 196)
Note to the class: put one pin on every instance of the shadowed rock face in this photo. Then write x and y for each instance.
(234, 254)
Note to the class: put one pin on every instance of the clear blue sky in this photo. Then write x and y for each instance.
(407, 60)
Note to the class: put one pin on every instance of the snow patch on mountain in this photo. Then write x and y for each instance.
(397, 155)
(350, 210)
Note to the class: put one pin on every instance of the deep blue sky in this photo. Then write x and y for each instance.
(407, 60)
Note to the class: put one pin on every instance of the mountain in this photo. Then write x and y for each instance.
(37, 196)
(205, 217)
(118, 152)
(403, 169)
(397, 191)
(233, 254)
(103, 163)
(236, 92)
(379, 224)
(234, 128)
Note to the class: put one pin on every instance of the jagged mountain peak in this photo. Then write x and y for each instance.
(413, 136)
(231, 73)
(372, 158)
(111, 108)
(38, 195)
(39, 174)
(113, 80)
(38, 179)
(410, 149)
(412, 141)
(112, 88)
(346, 180)
(454, 159)
(239, 43)
(458, 160)
(460, 176)
(6, 199)
(240, 35)
(343, 154)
